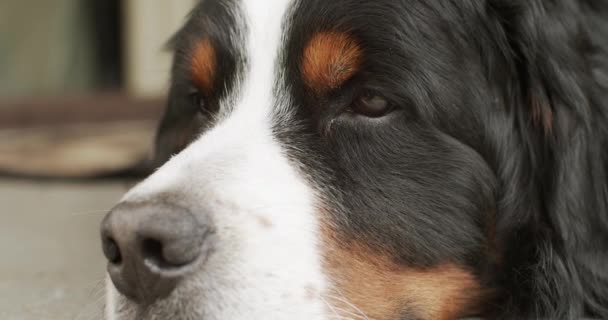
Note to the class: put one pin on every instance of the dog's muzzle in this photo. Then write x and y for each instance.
(151, 246)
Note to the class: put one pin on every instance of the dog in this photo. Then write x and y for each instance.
(386, 159)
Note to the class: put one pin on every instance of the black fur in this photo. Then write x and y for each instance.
(495, 158)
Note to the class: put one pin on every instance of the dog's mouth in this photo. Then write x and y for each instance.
(187, 302)
(175, 305)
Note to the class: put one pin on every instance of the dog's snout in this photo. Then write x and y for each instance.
(151, 246)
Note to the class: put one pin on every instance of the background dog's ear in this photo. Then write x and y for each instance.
(559, 116)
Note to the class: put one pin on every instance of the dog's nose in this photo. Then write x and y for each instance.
(151, 247)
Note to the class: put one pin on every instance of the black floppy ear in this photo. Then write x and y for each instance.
(179, 126)
(560, 120)
(552, 51)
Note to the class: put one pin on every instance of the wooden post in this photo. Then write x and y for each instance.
(148, 26)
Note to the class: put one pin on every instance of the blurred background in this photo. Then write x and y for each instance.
(81, 91)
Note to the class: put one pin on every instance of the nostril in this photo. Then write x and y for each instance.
(152, 250)
(170, 254)
(111, 250)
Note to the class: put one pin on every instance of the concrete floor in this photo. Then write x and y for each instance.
(51, 265)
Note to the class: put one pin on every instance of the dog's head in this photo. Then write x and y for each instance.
(384, 159)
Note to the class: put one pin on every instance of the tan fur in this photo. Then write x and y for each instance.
(329, 60)
(204, 65)
(376, 286)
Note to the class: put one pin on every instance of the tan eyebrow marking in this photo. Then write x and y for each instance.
(330, 59)
(204, 65)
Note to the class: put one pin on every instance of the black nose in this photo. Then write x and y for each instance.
(151, 247)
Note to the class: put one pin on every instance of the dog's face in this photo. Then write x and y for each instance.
(332, 160)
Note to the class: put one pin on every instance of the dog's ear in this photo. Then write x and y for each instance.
(180, 125)
(552, 51)
(181, 122)
(560, 123)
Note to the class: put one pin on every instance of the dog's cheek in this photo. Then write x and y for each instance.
(370, 284)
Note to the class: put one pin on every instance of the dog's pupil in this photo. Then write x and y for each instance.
(372, 106)
(198, 102)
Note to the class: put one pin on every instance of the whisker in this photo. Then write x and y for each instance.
(350, 304)
(352, 315)
(97, 295)
(329, 305)
(88, 213)
(358, 312)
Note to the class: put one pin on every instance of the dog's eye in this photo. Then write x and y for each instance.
(371, 105)
(197, 100)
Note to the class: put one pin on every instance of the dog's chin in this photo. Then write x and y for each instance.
(190, 308)
(168, 308)
(195, 300)
(184, 303)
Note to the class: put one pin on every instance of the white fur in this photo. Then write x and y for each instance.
(267, 264)
(110, 304)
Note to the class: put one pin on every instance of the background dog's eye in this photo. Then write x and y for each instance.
(371, 105)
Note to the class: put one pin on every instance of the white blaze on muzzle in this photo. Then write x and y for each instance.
(264, 262)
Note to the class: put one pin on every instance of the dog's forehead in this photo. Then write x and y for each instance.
(264, 27)
(264, 36)
(257, 33)
(265, 33)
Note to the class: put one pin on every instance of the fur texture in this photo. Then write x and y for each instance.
(493, 161)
